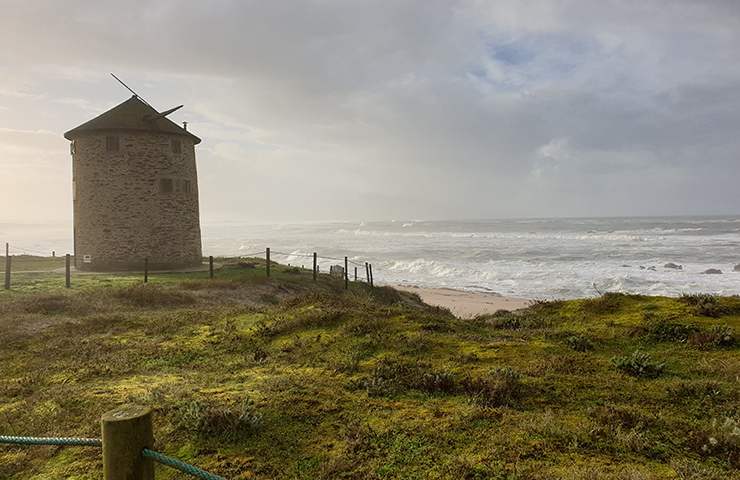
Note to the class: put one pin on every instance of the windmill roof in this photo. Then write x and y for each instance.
(133, 114)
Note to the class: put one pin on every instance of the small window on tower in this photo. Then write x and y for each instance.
(176, 145)
(165, 185)
(111, 143)
(186, 186)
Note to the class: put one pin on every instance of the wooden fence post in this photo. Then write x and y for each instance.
(146, 269)
(267, 260)
(372, 284)
(367, 273)
(126, 431)
(67, 273)
(355, 274)
(346, 274)
(314, 266)
(210, 266)
(7, 266)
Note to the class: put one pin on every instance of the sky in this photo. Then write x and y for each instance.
(377, 110)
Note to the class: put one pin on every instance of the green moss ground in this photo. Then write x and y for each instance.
(287, 378)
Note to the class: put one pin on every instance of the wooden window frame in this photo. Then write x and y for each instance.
(112, 143)
(166, 185)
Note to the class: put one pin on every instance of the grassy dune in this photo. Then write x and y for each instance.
(287, 378)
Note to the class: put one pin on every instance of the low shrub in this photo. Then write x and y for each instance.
(48, 304)
(705, 305)
(694, 391)
(639, 364)
(663, 330)
(438, 382)
(501, 387)
(148, 295)
(579, 343)
(716, 337)
(470, 357)
(228, 422)
(609, 302)
(212, 284)
(721, 439)
(698, 298)
(625, 416)
(259, 354)
(392, 375)
(506, 320)
(348, 362)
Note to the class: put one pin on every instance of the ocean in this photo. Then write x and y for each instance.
(527, 258)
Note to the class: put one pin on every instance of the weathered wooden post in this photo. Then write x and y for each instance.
(267, 260)
(355, 274)
(67, 273)
(367, 273)
(146, 269)
(7, 266)
(314, 266)
(210, 266)
(126, 431)
(372, 284)
(346, 274)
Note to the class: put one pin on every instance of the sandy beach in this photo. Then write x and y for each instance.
(466, 304)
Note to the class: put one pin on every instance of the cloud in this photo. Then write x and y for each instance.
(419, 109)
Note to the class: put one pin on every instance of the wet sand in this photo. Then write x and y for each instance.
(466, 304)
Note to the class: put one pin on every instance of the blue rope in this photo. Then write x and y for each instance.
(67, 441)
(180, 465)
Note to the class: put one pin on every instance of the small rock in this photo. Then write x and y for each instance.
(673, 266)
(737, 268)
(652, 268)
(642, 267)
(628, 266)
(712, 271)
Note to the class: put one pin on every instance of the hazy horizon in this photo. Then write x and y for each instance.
(337, 111)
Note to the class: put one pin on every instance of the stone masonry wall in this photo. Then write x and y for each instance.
(121, 216)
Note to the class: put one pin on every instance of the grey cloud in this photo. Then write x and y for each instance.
(407, 109)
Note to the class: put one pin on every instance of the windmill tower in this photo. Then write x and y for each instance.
(135, 190)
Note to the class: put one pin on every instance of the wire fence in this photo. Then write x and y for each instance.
(362, 270)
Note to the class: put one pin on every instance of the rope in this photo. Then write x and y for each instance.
(96, 442)
(67, 441)
(293, 254)
(262, 252)
(180, 465)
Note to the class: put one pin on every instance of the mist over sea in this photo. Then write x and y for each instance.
(528, 258)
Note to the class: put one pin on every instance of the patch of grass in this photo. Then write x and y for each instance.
(609, 302)
(501, 387)
(152, 295)
(364, 383)
(705, 391)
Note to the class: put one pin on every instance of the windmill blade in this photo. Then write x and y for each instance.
(129, 89)
(151, 118)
